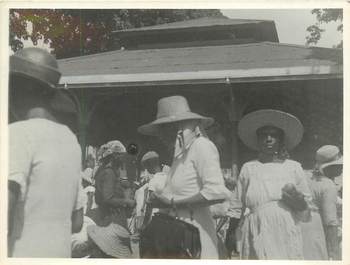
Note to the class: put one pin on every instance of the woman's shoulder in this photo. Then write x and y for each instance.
(203, 144)
(292, 163)
(251, 163)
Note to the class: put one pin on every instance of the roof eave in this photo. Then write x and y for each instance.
(204, 77)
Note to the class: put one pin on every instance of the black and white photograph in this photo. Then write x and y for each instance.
(175, 134)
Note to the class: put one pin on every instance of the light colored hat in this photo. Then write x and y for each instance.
(172, 109)
(114, 240)
(328, 155)
(112, 147)
(36, 64)
(289, 124)
(149, 155)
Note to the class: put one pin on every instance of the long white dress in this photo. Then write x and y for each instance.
(196, 170)
(271, 230)
(45, 160)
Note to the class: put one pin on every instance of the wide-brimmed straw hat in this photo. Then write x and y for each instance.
(328, 155)
(289, 124)
(36, 64)
(172, 109)
(113, 240)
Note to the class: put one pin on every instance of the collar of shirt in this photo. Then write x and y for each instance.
(184, 140)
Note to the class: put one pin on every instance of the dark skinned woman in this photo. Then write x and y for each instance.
(271, 187)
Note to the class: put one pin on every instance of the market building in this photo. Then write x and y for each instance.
(224, 67)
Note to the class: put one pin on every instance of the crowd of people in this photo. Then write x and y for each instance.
(189, 209)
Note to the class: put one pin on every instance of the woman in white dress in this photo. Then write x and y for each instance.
(195, 180)
(268, 183)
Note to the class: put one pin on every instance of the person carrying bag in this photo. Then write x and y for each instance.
(169, 237)
(194, 182)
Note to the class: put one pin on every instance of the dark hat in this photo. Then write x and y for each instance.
(172, 109)
(289, 124)
(37, 64)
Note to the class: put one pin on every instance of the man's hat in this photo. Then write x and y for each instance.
(289, 124)
(172, 109)
(36, 64)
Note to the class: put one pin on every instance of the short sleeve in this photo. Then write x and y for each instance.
(20, 157)
(207, 164)
(81, 199)
(329, 205)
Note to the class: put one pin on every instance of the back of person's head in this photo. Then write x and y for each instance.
(26, 94)
(34, 78)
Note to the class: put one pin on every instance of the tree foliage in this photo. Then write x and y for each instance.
(324, 16)
(74, 32)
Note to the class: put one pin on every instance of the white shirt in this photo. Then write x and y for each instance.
(45, 160)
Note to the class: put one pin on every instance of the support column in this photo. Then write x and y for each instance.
(235, 113)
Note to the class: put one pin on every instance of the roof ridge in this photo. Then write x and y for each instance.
(163, 25)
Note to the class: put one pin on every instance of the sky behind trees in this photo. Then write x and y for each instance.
(291, 24)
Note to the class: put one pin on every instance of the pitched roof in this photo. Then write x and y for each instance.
(265, 30)
(194, 23)
(129, 65)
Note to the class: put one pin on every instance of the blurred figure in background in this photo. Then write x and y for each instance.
(115, 199)
(152, 180)
(329, 164)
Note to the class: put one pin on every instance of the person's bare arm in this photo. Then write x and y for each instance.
(77, 220)
(332, 242)
(13, 195)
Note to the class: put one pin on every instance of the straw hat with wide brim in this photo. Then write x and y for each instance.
(113, 240)
(328, 155)
(289, 124)
(36, 64)
(173, 109)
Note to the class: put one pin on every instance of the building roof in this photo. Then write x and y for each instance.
(264, 30)
(245, 61)
(195, 23)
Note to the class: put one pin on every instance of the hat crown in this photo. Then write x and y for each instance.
(171, 106)
(37, 64)
(327, 153)
(37, 56)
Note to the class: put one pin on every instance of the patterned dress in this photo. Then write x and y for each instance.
(270, 230)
